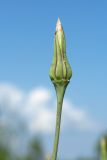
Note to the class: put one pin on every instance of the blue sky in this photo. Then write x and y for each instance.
(26, 50)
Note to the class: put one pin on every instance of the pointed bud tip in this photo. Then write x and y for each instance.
(58, 25)
(59, 21)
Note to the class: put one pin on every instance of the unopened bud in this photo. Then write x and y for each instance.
(60, 70)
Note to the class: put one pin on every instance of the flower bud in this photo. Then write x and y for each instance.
(60, 70)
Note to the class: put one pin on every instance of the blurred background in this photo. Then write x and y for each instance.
(27, 96)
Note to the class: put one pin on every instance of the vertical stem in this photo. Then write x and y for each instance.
(103, 154)
(60, 90)
(103, 149)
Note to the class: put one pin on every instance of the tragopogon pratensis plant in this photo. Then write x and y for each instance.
(60, 74)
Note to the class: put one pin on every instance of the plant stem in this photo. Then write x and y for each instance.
(60, 91)
(103, 149)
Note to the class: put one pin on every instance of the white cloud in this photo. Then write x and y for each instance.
(38, 110)
(10, 96)
(39, 95)
(78, 118)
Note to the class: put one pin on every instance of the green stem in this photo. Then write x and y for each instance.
(60, 91)
(103, 155)
(103, 148)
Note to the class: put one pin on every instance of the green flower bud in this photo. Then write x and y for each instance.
(60, 70)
